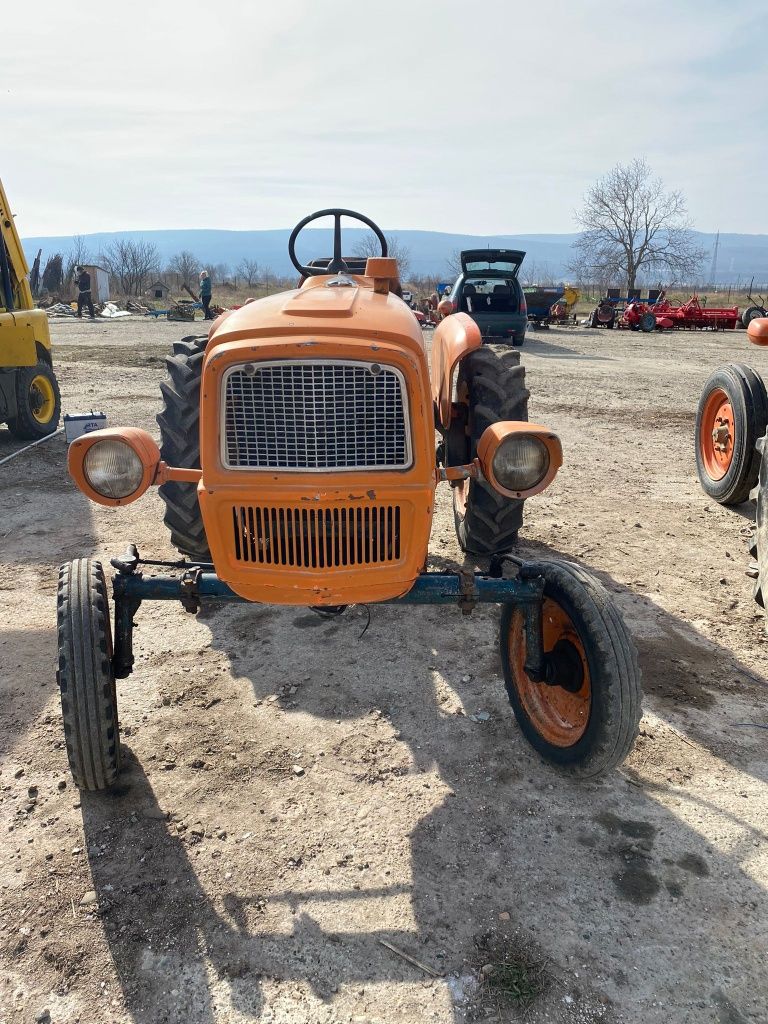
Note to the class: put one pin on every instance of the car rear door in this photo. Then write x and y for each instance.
(501, 261)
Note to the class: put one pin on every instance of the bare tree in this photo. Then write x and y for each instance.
(131, 262)
(248, 270)
(219, 273)
(53, 274)
(186, 265)
(369, 245)
(453, 263)
(78, 255)
(632, 225)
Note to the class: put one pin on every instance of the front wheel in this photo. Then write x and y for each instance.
(732, 415)
(38, 402)
(85, 675)
(585, 718)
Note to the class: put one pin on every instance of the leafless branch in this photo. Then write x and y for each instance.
(632, 226)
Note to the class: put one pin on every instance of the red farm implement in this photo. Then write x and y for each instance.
(691, 316)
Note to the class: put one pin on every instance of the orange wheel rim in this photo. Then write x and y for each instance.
(558, 715)
(717, 434)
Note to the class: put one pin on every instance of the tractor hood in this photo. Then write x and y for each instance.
(501, 261)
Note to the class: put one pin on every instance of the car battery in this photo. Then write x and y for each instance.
(78, 423)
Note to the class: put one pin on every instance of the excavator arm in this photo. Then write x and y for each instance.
(24, 334)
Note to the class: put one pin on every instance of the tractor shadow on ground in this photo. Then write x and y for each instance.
(538, 344)
(605, 873)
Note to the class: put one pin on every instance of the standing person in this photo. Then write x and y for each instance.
(205, 294)
(83, 281)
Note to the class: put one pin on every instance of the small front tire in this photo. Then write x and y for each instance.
(586, 726)
(85, 675)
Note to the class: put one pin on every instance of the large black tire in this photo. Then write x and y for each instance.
(518, 339)
(179, 423)
(759, 547)
(751, 313)
(85, 676)
(38, 402)
(494, 384)
(604, 714)
(745, 390)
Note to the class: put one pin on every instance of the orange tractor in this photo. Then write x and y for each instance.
(731, 430)
(298, 467)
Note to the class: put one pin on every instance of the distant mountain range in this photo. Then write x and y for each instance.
(739, 257)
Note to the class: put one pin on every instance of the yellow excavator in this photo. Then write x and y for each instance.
(30, 403)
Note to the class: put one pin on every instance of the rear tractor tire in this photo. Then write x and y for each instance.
(751, 313)
(732, 416)
(759, 547)
(179, 423)
(85, 675)
(492, 383)
(38, 402)
(585, 718)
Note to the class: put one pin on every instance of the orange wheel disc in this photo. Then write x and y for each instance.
(717, 434)
(559, 716)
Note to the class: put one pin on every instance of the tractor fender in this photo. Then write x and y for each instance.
(455, 337)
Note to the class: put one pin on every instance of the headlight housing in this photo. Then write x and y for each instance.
(519, 459)
(114, 466)
(113, 469)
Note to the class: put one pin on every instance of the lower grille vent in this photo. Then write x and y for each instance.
(317, 538)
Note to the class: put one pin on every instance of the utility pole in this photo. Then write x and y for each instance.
(713, 267)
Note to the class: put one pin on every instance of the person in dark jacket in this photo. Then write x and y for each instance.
(205, 294)
(83, 281)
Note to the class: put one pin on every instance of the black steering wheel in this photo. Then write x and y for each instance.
(337, 264)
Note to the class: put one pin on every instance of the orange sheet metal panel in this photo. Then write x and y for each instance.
(318, 537)
(454, 338)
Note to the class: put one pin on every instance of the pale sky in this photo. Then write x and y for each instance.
(485, 117)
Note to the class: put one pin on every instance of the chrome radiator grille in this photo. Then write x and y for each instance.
(315, 415)
(316, 538)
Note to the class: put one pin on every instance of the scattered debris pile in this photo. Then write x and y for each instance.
(59, 309)
(112, 311)
(182, 309)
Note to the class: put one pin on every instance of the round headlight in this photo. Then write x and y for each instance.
(113, 469)
(520, 462)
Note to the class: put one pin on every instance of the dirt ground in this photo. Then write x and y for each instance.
(294, 793)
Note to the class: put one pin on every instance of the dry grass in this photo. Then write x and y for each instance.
(513, 973)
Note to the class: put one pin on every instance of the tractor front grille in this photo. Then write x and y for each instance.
(315, 415)
(316, 538)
